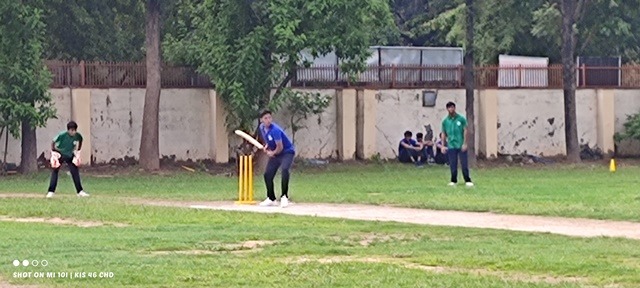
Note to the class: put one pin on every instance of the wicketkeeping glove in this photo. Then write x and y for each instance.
(76, 158)
(55, 159)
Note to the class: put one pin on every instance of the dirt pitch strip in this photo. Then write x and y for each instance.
(576, 227)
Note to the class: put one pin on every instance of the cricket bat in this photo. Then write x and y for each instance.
(249, 139)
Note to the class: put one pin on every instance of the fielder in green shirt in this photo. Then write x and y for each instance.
(454, 128)
(65, 148)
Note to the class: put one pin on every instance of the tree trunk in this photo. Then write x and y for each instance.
(569, 80)
(149, 142)
(469, 82)
(29, 155)
(6, 147)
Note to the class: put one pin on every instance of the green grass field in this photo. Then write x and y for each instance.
(175, 247)
(586, 191)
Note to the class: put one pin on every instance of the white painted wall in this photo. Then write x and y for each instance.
(401, 110)
(587, 116)
(529, 121)
(117, 123)
(532, 121)
(319, 139)
(627, 102)
(184, 123)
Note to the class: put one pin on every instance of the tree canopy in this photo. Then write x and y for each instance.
(24, 79)
(25, 101)
(248, 47)
(113, 30)
(522, 27)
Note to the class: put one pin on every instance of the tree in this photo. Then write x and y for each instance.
(571, 11)
(501, 26)
(248, 47)
(442, 25)
(520, 27)
(149, 141)
(469, 80)
(606, 28)
(610, 28)
(410, 15)
(25, 102)
(94, 30)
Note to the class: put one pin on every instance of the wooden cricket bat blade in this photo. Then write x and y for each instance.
(249, 139)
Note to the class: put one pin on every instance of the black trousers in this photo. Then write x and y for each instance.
(285, 161)
(413, 156)
(441, 158)
(426, 153)
(454, 154)
(75, 175)
(408, 156)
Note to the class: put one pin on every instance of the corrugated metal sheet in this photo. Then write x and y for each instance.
(511, 74)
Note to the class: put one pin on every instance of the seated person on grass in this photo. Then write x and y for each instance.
(426, 151)
(408, 149)
(440, 158)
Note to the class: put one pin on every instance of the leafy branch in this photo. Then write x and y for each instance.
(248, 48)
(301, 105)
(631, 129)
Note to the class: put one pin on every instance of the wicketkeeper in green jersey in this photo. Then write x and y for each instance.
(65, 148)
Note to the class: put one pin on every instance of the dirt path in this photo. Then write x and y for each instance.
(5, 284)
(576, 227)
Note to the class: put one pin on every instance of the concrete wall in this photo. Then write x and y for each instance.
(511, 121)
(532, 121)
(318, 139)
(116, 123)
(363, 123)
(487, 132)
(587, 114)
(627, 102)
(401, 110)
(366, 132)
(346, 124)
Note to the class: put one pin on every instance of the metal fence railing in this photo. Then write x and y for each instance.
(131, 75)
(121, 75)
(484, 76)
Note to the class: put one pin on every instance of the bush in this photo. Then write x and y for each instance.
(631, 129)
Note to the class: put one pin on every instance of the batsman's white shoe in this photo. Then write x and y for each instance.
(50, 195)
(83, 194)
(452, 184)
(267, 202)
(469, 184)
(284, 201)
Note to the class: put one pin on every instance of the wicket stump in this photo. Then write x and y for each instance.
(245, 180)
